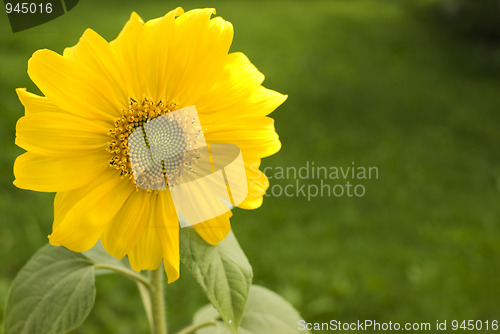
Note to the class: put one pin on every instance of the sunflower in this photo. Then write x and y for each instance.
(96, 93)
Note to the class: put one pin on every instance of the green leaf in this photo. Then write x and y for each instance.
(266, 313)
(53, 293)
(223, 272)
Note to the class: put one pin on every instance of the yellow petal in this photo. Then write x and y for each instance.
(34, 104)
(124, 48)
(257, 183)
(200, 49)
(81, 215)
(156, 52)
(167, 227)
(51, 174)
(254, 135)
(59, 133)
(126, 228)
(93, 51)
(243, 123)
(261, 102)
(147, 254)
(74, 87)
(238, 80)
(216, 229)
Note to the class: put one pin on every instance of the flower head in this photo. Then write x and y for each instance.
(97, 93)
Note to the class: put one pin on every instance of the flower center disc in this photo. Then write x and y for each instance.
(155, 143)
(163, 149)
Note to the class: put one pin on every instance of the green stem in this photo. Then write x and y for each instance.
(158, 302)
(133, 275)
(195, 327)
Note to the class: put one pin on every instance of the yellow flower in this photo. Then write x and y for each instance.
(94, 95)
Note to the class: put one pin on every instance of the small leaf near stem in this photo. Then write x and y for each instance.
(222, 271)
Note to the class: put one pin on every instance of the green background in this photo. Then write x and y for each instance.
(377, 83)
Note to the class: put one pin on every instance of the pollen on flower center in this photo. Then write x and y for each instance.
(137, 114)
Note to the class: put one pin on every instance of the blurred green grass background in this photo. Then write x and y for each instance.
(378, 83)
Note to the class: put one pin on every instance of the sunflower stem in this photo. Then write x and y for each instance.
(158, 302)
